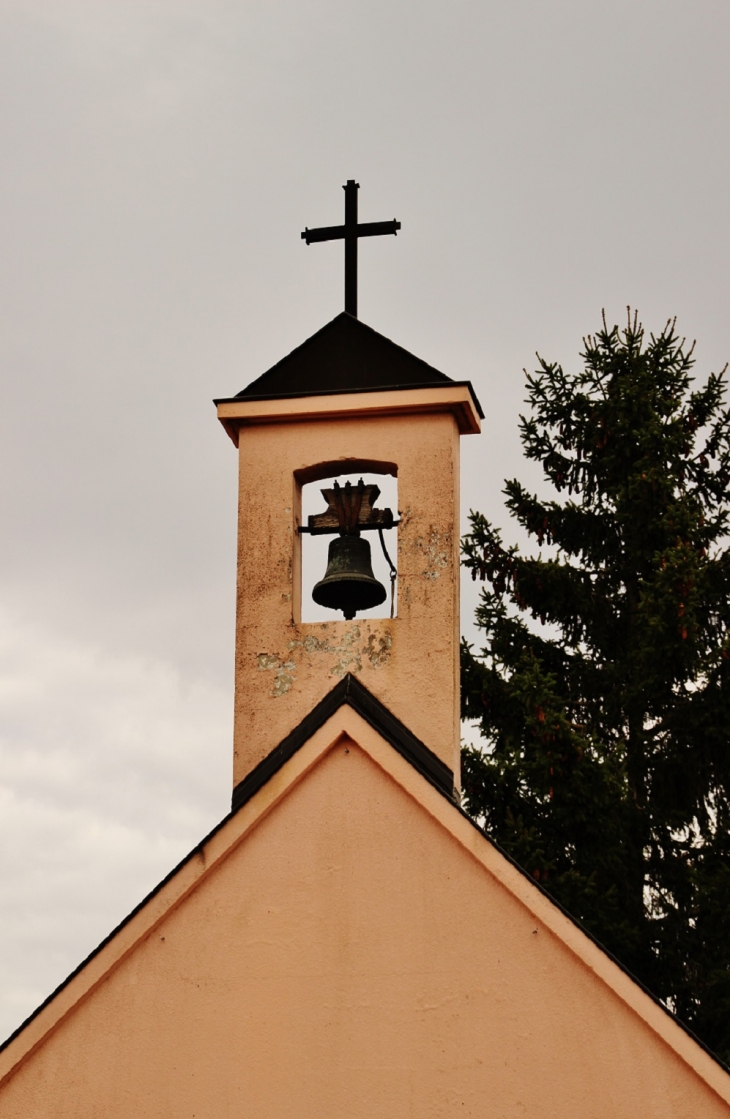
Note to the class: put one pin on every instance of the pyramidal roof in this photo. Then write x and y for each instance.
(345, 356)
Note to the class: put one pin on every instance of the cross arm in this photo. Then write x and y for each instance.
(326, 233)
(375, 228)
(337, 232)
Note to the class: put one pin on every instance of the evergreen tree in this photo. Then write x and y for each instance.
(603, 690)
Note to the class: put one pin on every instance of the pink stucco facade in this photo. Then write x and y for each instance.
(349, 944)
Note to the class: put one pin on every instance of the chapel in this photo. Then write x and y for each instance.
(347, 943)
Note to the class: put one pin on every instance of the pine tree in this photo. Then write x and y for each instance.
(603, 690)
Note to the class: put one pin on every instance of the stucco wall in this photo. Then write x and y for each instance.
(411, 663)
(351, 958)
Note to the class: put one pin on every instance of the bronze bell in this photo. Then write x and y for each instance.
(349, 584)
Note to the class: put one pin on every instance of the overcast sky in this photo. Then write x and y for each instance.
(546, 160)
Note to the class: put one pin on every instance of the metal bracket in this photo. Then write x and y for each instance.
(350, 511)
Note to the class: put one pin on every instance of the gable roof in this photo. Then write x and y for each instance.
(351, 711)
(344, 356)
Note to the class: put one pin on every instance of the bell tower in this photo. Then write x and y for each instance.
(348, 401)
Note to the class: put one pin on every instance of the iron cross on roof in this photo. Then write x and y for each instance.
(350, 231)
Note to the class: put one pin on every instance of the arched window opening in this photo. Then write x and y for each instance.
(349, 547)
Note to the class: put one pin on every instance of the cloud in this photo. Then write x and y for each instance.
(111, 769)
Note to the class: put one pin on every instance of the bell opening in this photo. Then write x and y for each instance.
(347, 577)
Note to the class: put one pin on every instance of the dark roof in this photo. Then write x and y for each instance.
(344, 356)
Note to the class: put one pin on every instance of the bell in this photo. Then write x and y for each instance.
(349, 584)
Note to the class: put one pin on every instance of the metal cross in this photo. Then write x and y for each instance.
(350, 231)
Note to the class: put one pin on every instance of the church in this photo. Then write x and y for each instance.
(347, 942)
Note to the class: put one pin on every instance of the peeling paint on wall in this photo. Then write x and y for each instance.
(347, 652)
(285, 671)
(378, 649)
(284, 679)
(436, 550)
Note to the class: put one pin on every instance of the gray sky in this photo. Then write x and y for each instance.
(160, 159)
